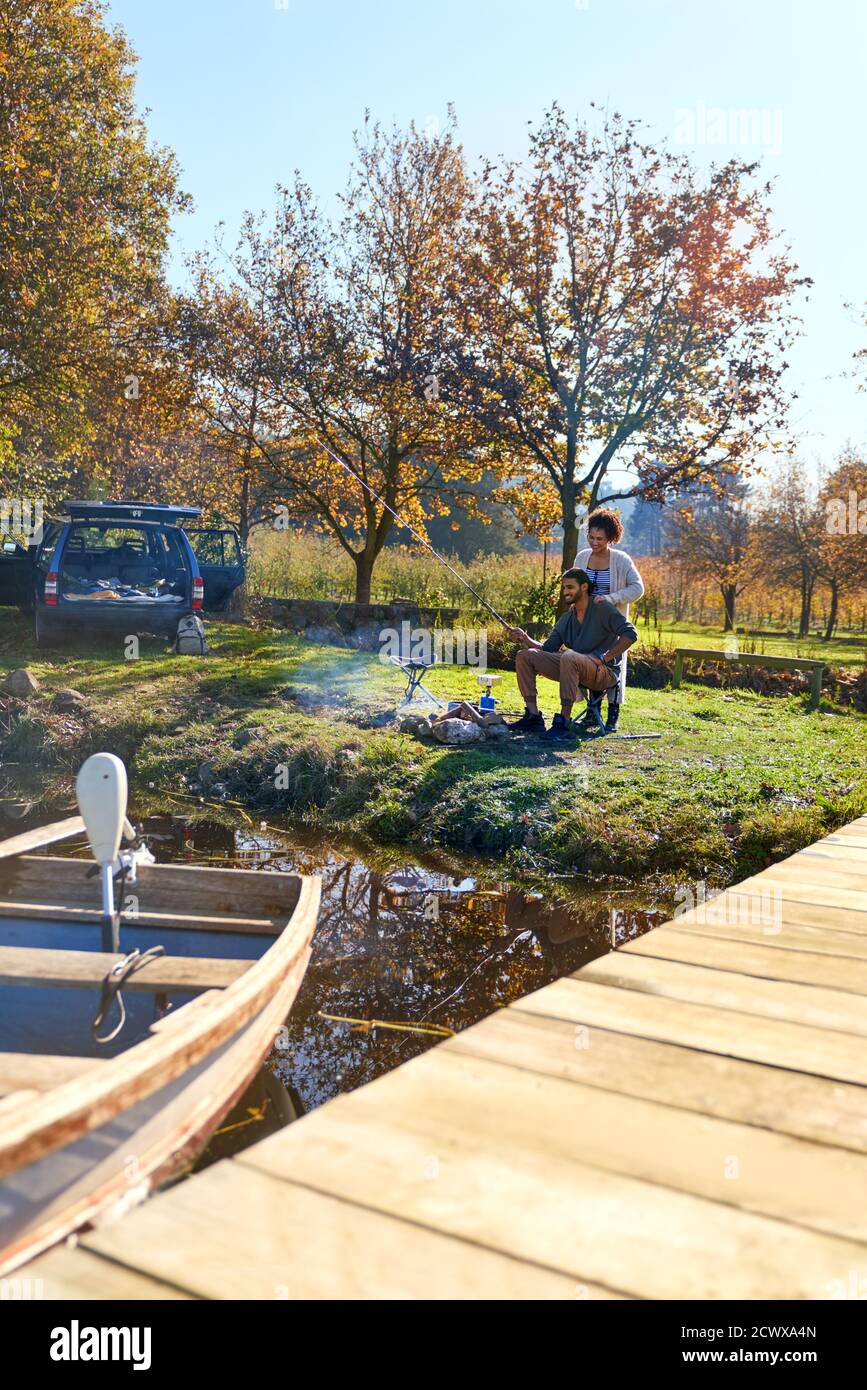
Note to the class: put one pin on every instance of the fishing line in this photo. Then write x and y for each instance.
(467, 585)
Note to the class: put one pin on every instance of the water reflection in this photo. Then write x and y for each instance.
(404, 952)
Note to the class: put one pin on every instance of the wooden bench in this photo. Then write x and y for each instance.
(773, 663)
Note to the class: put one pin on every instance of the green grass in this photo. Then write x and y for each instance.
(735, 781)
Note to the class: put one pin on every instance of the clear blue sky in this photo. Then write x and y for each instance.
(246, 91)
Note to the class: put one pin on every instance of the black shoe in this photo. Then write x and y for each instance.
(528, 724)
(561, 731)
(613, 716)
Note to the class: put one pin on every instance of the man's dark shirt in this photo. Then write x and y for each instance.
(602, 626)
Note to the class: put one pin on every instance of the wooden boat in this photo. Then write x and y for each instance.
(82, 1137)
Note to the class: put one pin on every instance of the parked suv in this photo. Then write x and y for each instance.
(121, 567)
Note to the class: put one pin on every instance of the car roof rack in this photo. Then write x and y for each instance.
(130, 511)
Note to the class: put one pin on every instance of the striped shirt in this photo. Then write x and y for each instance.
(601, 582)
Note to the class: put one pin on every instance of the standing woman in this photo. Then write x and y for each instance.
(614, 578)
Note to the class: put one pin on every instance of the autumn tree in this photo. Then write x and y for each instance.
(790, 534)
(347, 320)
(712, 535)
(842, 530)
(86, 210)
(224, 343)
(612, 306)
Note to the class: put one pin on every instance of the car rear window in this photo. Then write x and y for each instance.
(95, 538)
(113, 560)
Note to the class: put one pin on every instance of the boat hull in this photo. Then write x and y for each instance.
(81, 1167)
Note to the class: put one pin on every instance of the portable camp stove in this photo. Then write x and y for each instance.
(414, 671)
(487, 703)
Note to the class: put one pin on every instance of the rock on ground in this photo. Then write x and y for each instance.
(65, 701)
(21, 683)
(417, 724)
(245, 736)
(457, 731)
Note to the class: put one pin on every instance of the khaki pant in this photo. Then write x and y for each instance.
(573, 670)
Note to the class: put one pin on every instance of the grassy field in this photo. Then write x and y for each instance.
(268, 723)
(846, 649)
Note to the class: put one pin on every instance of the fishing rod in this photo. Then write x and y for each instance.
(467, 585)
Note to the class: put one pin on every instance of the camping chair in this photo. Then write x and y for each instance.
(594, 707)
(414, 670)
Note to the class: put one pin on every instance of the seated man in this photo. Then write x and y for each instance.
(593, 635)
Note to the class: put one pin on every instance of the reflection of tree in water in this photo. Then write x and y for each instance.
(418, 947)
(405, 943)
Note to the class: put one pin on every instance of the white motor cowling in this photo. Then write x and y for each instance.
(101, 791)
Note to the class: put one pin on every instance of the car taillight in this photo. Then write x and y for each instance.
(51, 587)
(198, 591)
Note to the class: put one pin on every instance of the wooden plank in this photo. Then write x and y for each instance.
(274, 1239)
(30, 840)
(773, 663)
(854, 835)
(837, 858)
(41, 1071)
(737, 1165)
(850, 887)
(831, 1009)
(17, 1100)
(536, 1202)
(855, 852)
(76, 1273)
(788, 932)
(163, 921)
(855, 827)
(162, 888)
(807, 1107)
(787, 889)
(201, 1004)
(762, 961)
(39, 967)
(815, 1051)
(852, 839)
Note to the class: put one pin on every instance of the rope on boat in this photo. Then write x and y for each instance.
(112, 985)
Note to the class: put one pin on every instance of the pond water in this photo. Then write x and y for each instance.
(405, 952)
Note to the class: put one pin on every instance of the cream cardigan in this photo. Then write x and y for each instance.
(627, 587)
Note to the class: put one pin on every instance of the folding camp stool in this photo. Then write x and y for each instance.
(414, 671)
(594, 707)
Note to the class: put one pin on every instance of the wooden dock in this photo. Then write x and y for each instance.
(684, 1118)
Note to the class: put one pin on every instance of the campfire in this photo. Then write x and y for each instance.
(461, 723)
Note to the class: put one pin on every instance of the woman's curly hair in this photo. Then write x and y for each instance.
(605, 520)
